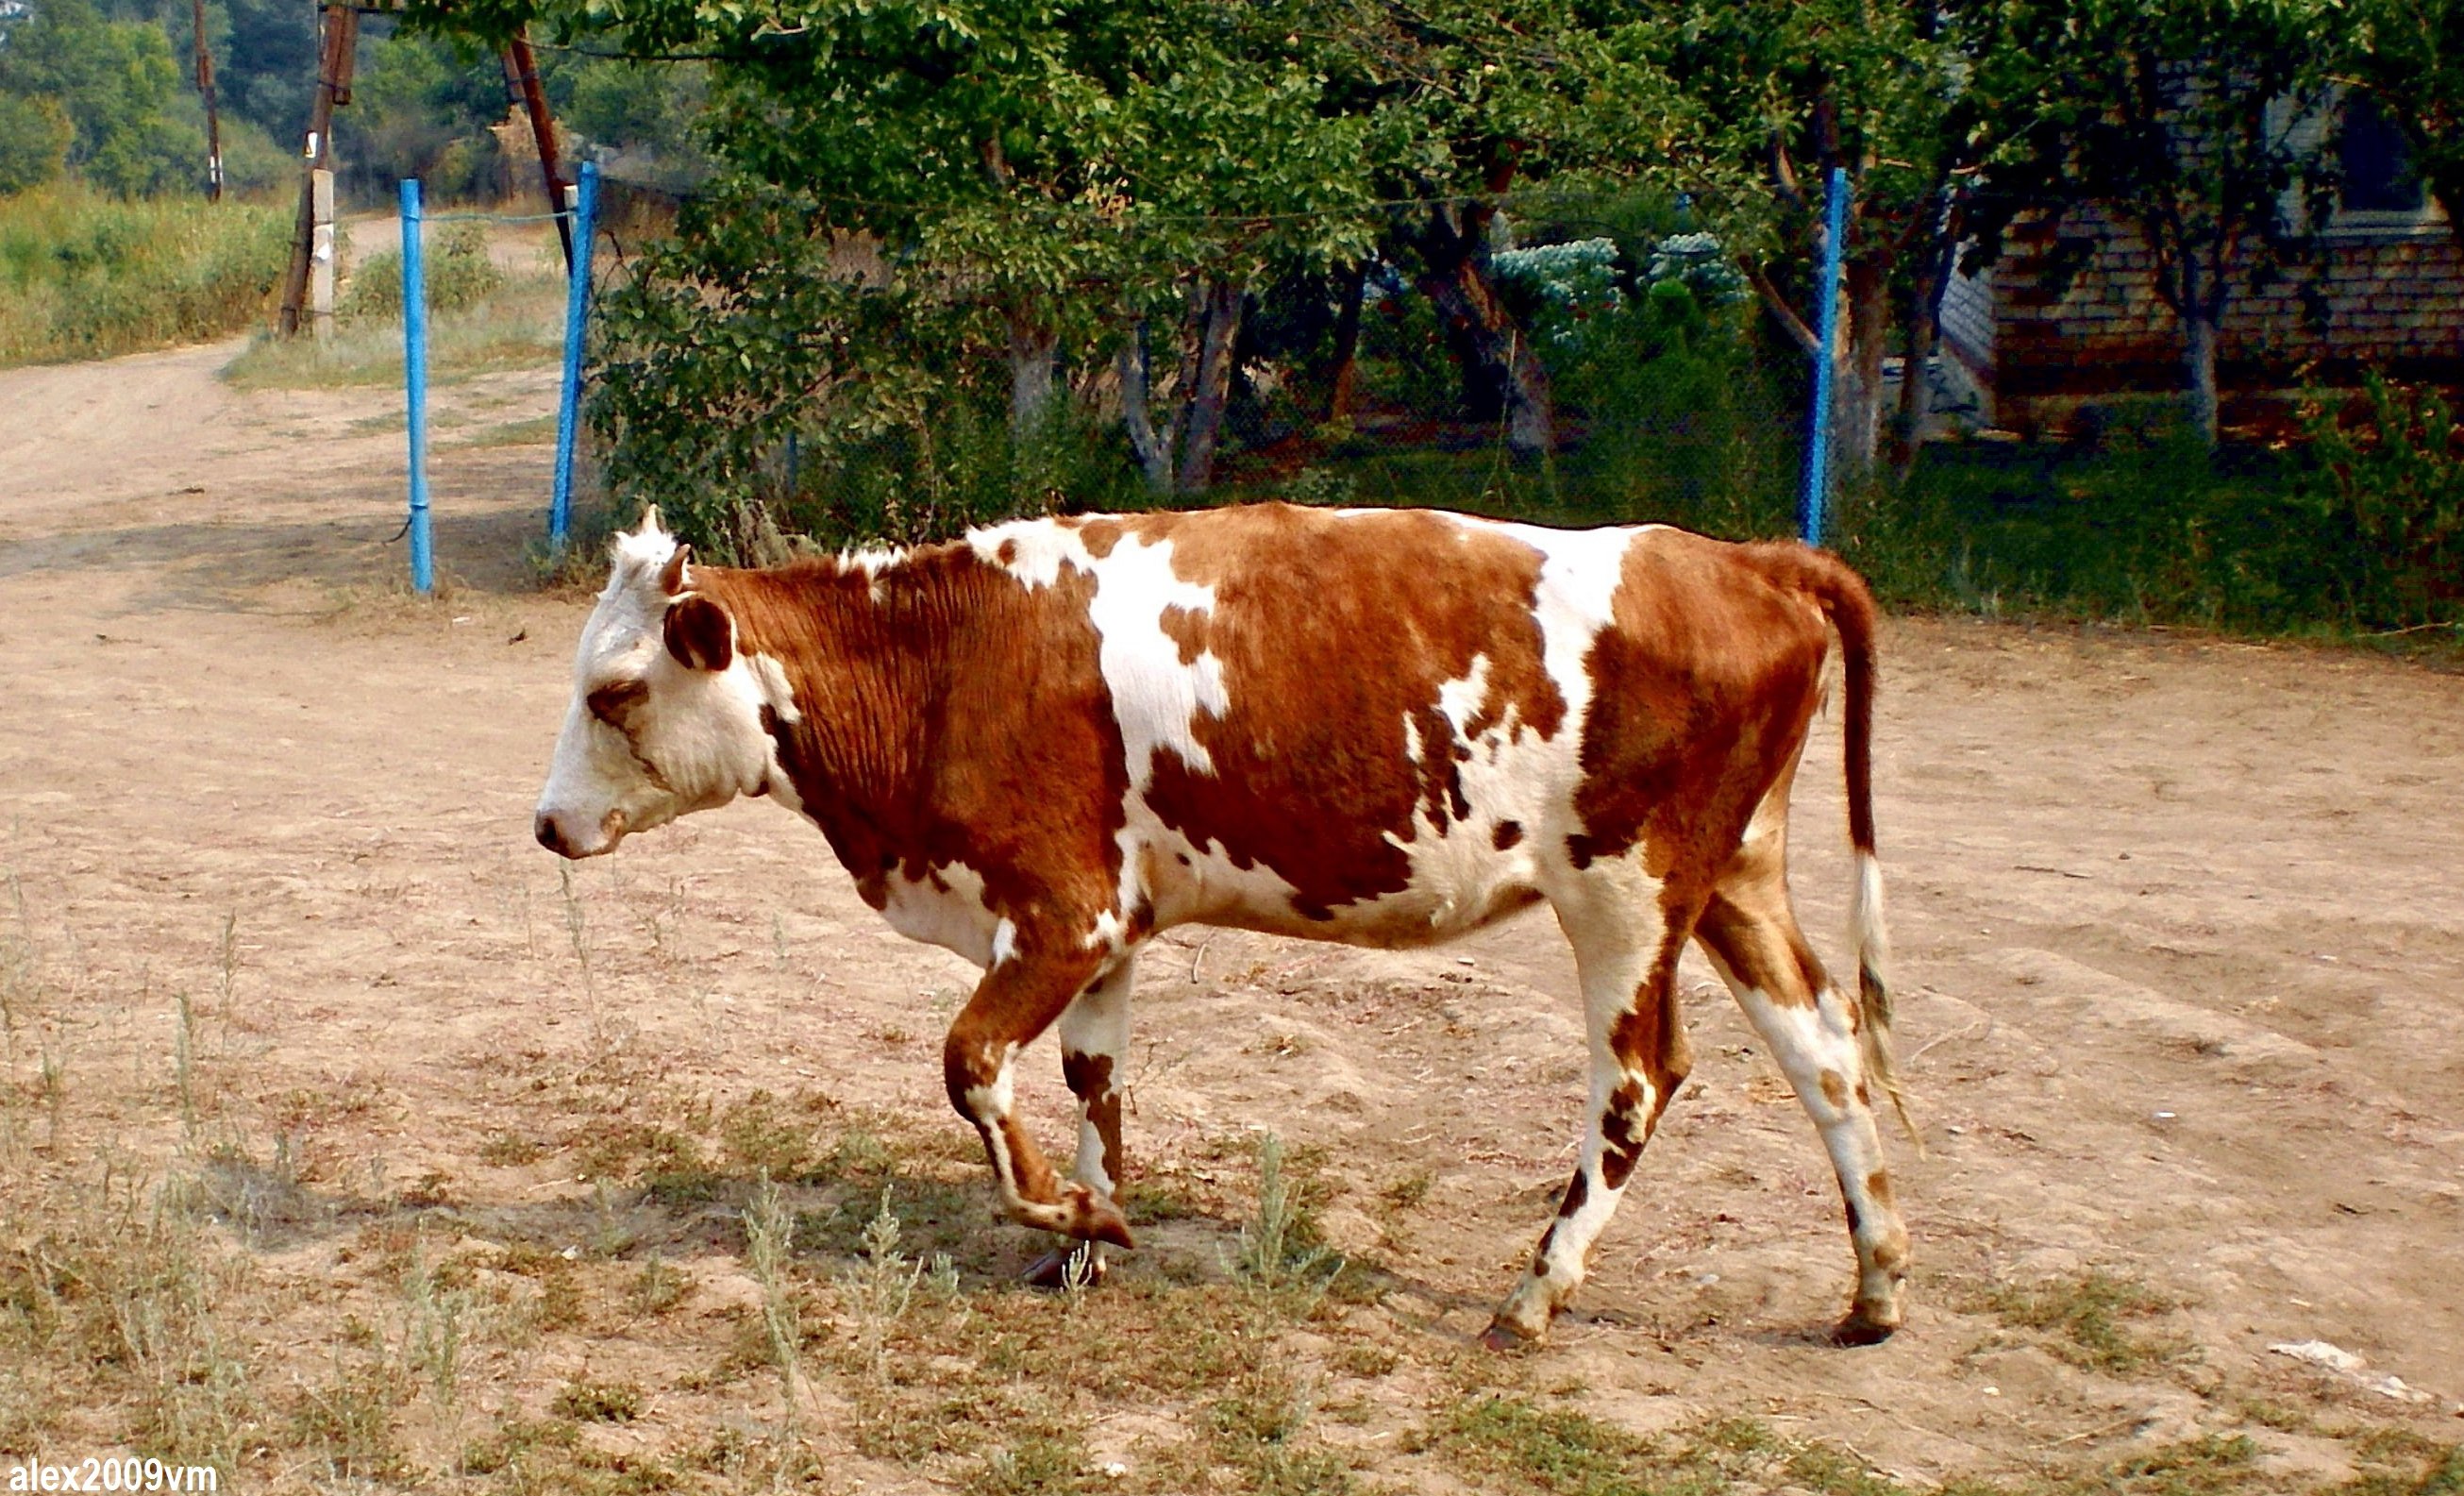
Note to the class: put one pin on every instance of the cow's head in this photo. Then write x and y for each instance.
(667, 710)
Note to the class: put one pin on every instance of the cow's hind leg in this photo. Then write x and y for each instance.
(1018, 999)
(1811, 1026)
(1094, 1043)
(1626, 944)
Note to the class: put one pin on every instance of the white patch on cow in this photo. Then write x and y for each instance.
(1156, 697)
(1038, 548)
(1005, 942)
(1459, 701)
(1107, 931)
(771, 677)
(873, 559)
(952, 915)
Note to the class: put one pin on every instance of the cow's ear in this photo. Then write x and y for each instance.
(671, 576)
(700, 635)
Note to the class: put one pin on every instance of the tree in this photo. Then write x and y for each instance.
(2191, 124)
(1465, 103)
(35, 136)
(113, 82)
(1915, 99)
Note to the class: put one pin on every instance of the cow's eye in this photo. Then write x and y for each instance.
(612, 702)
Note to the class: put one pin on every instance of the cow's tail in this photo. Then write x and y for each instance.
(1850, 608)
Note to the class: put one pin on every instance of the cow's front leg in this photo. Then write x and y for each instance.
(1094, 1041)
(1018, 999)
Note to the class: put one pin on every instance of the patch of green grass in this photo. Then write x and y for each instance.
(1259, 1428)
(1041, 1463)
(2088, 1317)
(85, 275)
(585, 1402)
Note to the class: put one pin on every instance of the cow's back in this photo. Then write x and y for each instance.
(1393, 725)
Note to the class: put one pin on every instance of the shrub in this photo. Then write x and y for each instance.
(2389, 492)
(456, 267)
(87, 276)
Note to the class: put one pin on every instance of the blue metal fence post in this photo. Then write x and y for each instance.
(1818, 451)
(577, 308)
(414, 383)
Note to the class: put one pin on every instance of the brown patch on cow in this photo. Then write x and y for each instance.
(1834, 1090)
(1099, 537)
(614, 702)
(1704, 684)
(1864, 1098)
(1540, 1253)
(1089, 1079)
(913, 690)
(1185, 627)
(699, 633)
(1878, 1185)
(1579, 1189)
(1332, 632)
(1624, 1129)
(1748, 928)
(1032, 1176)
(1507, 834)
(1891, 1256)
(1008, 552)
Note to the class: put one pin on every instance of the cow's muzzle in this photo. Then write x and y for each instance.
(550, 830)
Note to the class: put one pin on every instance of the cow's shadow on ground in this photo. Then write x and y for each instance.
(943, 1222)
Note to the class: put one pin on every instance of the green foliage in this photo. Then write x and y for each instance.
(454, 264)
(2387, 491)
(83, 275)
(2358, 531)
(35, 136)
(113, 82)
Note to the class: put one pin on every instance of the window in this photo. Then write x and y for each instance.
(2375, 163)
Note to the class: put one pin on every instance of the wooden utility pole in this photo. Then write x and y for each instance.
(335, 56)
(214, 115)
(522, 88)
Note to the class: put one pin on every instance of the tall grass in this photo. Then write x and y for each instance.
(85, 275)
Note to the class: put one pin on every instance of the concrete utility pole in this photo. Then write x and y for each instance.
(214, 115)
(335, 56)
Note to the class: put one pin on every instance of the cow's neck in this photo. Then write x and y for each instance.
(863, 653)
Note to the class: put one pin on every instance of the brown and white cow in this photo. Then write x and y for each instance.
(1044, 745)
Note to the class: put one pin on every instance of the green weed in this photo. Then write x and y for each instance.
(85, 275)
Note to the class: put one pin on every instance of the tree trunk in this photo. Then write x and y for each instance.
(2199, 370)
(1502, 376)
(1923, 323)
(1151, 453)
(1033, 351)
(1856, 405)
(1213, 388)
(1345, 374)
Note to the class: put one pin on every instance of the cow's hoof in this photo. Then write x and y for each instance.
(1857, 1330)
(1052, 1270)
(1505, 1335)
(1095, 1219)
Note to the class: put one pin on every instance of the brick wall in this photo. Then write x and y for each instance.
(2038, 348)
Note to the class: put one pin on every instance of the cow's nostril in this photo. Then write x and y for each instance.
(544, 825)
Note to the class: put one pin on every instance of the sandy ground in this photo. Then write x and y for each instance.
(2176, 923)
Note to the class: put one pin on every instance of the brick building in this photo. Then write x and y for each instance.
(2048, 331)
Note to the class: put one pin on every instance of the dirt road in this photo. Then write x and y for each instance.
(2177, 923)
